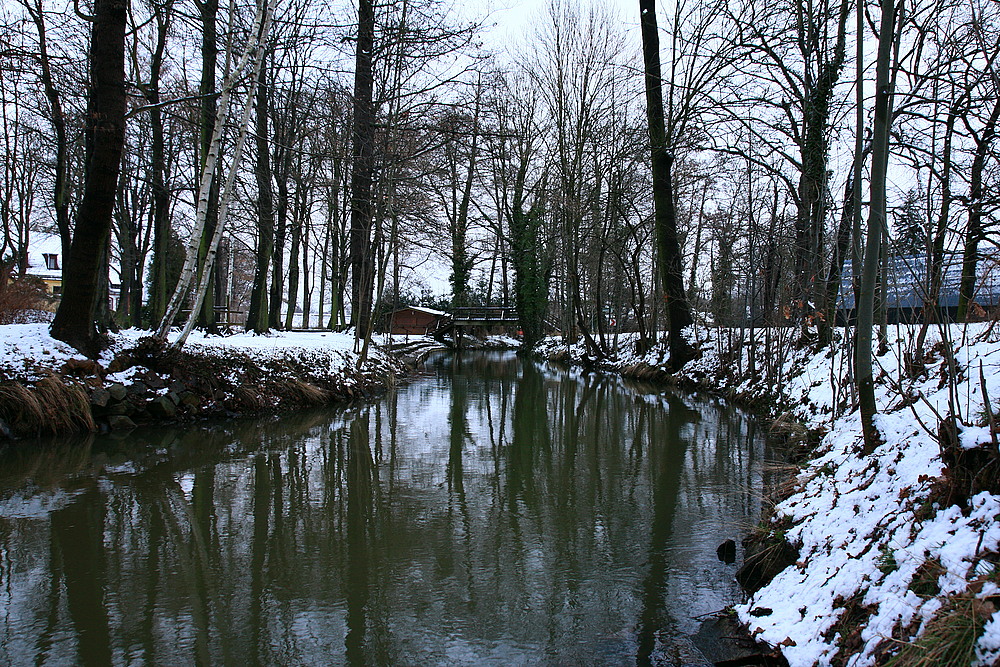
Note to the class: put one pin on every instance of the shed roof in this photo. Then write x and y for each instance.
(421, 309)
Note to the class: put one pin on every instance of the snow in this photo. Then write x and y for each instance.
(422, 309)
(866, 525)
(988, 649)
(251, 342)
(39, 246)
(28, 353)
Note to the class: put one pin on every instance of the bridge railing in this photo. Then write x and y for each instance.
(484, 314)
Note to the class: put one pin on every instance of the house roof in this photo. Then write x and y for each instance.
(39, 246)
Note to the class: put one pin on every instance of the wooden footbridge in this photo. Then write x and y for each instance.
(473, 317)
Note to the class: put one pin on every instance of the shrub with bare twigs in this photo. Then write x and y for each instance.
(20, 298)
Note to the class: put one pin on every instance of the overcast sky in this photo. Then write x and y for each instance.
(514, 18)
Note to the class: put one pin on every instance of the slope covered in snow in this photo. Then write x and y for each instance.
(897, 550)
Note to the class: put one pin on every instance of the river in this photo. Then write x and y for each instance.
(491, 511)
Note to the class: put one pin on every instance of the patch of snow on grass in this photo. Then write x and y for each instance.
(28, 352)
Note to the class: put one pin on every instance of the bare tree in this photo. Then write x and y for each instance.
(75, 320)
(876, 225)
(668, 246)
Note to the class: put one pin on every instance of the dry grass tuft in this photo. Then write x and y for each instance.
(950, 637)
(309, 394)
(968, 471)
(249, 398)
(20, 408)
(51, 406)
(849, 626)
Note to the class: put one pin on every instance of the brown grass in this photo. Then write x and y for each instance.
(308, 394)
(51, 406)
(950, 637)
(849, 626)
(248, 398)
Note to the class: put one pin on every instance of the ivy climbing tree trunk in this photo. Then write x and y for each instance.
(531, 271)
(74, 322)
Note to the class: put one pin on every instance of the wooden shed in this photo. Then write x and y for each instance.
(414, 320)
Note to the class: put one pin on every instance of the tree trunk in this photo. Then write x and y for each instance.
(668, 247)
(531, 273)
(161, 196)
(305, 273)
(209, 10)
(876, 224)
(105, 134)
(161, 217)
(362, 263)
(257, 319)
(127, 235)
(208, 180)
(204, 287)
(935, 263)
(974, 231)
(834, 277)
(293, 268)
(58, 119)
(278, 255)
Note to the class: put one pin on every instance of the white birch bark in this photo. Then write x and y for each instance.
(227, 195)
(261, 29)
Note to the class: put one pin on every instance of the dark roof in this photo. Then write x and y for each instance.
(906, 282)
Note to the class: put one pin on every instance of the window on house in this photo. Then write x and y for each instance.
(51, 261)
(56, 290)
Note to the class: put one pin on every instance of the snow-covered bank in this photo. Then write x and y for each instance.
(137, 380)
(897, 550)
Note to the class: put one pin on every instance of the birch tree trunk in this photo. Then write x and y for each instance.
(206, 274)
(261, 28)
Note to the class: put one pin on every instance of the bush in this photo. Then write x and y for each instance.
(22, 298)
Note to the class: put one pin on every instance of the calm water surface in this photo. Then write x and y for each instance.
(495, 511)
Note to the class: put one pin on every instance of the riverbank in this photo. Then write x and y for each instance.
(893, 555)
(46, 387)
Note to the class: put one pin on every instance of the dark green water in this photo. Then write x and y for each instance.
(494, 511)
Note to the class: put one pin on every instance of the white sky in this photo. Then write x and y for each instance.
(514, 18)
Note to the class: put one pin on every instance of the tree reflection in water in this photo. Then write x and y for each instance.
(497, 510)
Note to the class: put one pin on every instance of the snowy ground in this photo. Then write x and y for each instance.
(873, 539)
(28, 352)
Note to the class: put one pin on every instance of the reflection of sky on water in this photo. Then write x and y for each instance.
(490, 512)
